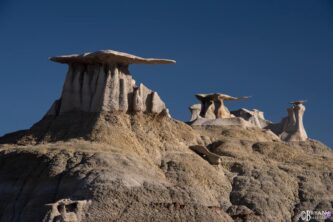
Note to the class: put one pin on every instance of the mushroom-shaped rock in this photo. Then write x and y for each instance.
(212, 105)
(195, 111)
(295, 130)
(298, 102)
(100, 81)
(108, 57)
(214, 113)
(291, 128)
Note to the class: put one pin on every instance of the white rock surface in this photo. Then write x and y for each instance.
(195, 111)
(294, 130)
(212, 111)
(212, 105)
(101, 81)
(291, 128)
(157, 105)
(254, 116)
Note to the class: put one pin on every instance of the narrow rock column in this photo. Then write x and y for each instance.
(290, 123)
(293, 128)
(71, 98)
(299, 110)
(95, 98)
(157, 105)
(145, 98)
(113, 87)
(67, 90)
(195, 111)
(123, 101)
(99, 89)
(222, 111)
(210, 111)
(86, 89)
(137, 100)
(76, 87)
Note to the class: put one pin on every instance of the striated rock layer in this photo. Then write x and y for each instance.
(96, 83)
(101, 81)
(104, 87)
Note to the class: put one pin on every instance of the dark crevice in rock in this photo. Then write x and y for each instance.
(237, 168)
(57, 188)
(298, 198)
(15, 211)
(41, 172)
(81, 78)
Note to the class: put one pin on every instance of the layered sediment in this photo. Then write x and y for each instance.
(104, 87)
(101, 81)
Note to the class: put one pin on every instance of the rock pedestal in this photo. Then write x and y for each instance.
(212, 111)
(291, 128)
(101, 81)
(212, 105)
(195, 111)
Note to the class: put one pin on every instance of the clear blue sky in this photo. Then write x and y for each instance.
(275, 51)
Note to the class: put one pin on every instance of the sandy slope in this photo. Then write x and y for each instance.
(140, 168)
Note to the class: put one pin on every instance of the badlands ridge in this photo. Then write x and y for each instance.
(108, 150)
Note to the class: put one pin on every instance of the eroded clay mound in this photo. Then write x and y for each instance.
(141, 168)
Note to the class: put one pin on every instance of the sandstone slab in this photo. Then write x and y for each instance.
(108, 57)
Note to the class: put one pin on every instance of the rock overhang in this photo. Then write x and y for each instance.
(219, 96)
(108, 57)
(100, 81)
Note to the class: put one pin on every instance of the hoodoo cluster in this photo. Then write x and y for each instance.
(212, 111)
(101, 81)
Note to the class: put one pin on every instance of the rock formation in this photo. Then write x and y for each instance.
(101, 81)
(213, 112)
(195, 112)
(291, 128)
(97, 163)
(255, 117)
(212, 105)
(67, 211)
(203, 151)
(141, 168)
